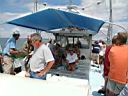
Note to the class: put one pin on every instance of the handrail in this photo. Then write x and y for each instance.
(125, 30)
(118, 26)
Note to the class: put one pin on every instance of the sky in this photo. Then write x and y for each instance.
(10, 9)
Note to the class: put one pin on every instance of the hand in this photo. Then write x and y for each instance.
(41, 73)
(106, 77)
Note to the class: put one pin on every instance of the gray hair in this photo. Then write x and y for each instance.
(36, 37)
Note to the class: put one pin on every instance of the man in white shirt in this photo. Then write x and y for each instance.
(42, 60)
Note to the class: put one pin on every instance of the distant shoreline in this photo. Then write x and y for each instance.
(19, 43)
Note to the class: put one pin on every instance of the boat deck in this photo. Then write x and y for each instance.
(85, 71)
(96, 80)
(82, 71)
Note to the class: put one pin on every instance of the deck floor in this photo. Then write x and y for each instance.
(85, 71)
(82, 71)
(96, 80)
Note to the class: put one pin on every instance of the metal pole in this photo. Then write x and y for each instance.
(35, 6)
(90, 45)
(109, 34)
(35, 10)
(70, 2)
(125, 30)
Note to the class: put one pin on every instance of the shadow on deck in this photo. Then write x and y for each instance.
(82, 71)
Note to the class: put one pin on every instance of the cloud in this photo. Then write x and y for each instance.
(1, 28)
(101, 10)
(8, 15)
(17, 8)
(6, 29)
(30, 6)
(120, 14)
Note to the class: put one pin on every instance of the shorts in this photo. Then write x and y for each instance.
(124, 92)
(34, 75)
(114, 86)
(8, 64)
(72, 63)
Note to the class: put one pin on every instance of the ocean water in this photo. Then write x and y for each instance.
(19, 42)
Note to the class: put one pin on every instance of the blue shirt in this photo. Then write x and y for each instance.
(11, 43)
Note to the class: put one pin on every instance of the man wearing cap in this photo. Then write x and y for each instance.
(10, 52)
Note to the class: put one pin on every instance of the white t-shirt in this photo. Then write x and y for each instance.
(103, 48)
(71, 58)
(40, 58)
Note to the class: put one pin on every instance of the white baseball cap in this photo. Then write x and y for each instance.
(16, 32)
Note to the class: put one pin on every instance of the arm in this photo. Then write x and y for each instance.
(67, 59)
(46, 69)
(48, 59)
(106, 62)
(12, 47)
(67, 62)
(77, 60)
(16, 53)
(13, 51)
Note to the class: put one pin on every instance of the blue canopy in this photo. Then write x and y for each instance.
(50, 19)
